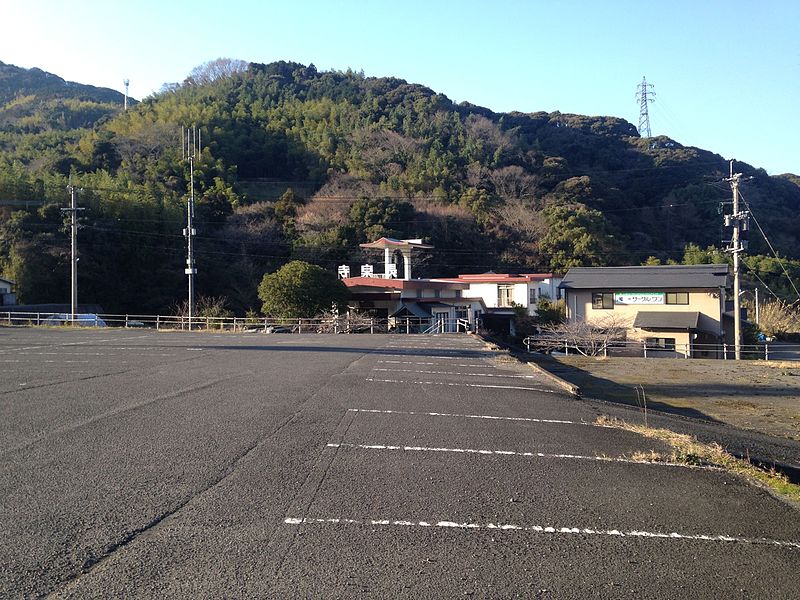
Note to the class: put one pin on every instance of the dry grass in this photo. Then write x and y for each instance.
(689, 451)
(752, 395)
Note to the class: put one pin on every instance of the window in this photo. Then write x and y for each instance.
(462, 312)
(532, 297)
(602, 300)
(437, 293)
(505, 294)
(660, 344)
(677, 298)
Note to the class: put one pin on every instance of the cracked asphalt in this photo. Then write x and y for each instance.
(137, 464)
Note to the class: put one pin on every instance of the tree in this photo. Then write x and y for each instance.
(589, 339)
(578, 236)
(300, 290)
(695, 255)
(372, 218)
(213, 70)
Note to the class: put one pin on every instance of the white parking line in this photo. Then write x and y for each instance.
(433, 364)
(459, 374)
(513, 453)
(475, 385)
(445, 357)
(465, 416)
(634, 533)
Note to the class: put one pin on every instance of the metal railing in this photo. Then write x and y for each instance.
(641, 348)
(333, 325)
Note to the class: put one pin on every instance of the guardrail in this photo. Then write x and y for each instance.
(637, 348)
(342, 324)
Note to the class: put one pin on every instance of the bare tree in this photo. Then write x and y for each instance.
(384, 153)
(330, 206)
(330, 321)
(777, 317)
(519, 216)
(146, 143)
(214, 70)
(513, 182)
(588, 338)
(488, 132)
(477, 175)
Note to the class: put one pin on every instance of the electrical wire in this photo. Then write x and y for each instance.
(753, 271)
(771, 247)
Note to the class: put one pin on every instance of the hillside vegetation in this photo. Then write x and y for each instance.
(302, 164)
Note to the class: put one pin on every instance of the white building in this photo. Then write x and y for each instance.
(7, 295)
(502, 292)
(410, 304)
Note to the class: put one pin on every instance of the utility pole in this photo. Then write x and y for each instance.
(126, 81)
(644, 93)
(739, 221)
(73, 210)
(191, 149)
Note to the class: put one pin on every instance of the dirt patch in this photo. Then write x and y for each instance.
(759, 395)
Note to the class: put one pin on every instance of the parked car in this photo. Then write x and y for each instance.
(84, 320)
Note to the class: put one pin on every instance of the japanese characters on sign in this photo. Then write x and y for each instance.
(639, 298)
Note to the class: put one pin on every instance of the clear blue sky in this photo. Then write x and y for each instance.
(726, 74)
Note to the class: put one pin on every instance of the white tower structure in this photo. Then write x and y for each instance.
(391, 247)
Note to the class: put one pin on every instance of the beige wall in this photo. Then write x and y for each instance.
(706, 302)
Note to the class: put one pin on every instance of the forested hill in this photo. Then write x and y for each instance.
(16, 82)
(299, 163)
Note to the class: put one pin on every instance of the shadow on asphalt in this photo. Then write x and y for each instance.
(594, 387)
(287, 347)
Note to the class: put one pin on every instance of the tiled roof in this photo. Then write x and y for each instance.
(385, 242)
(404, 284)
(652, 319)
(655, 277)
(501, 277)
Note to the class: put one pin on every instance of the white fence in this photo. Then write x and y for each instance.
(342, 324)
(762, 351)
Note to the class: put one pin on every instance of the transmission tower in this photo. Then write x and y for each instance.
(644, 94)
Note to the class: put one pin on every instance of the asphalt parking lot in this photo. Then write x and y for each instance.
(145, 464)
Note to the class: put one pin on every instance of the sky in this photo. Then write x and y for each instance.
(726, 75)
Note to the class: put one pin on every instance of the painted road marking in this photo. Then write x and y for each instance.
(452, 373)
(513, 453)
(433, 364)
(634, 533)
(462, 357)
(475, 385)
(465, 416)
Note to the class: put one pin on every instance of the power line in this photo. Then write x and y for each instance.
(755, 274)
(771, 247)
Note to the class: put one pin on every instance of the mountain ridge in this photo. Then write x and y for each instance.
(305, 164)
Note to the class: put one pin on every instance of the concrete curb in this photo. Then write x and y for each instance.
(569, 387)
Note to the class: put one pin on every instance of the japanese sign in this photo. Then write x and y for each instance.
(638, 298)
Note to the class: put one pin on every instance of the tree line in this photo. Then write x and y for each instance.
(300, 164)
